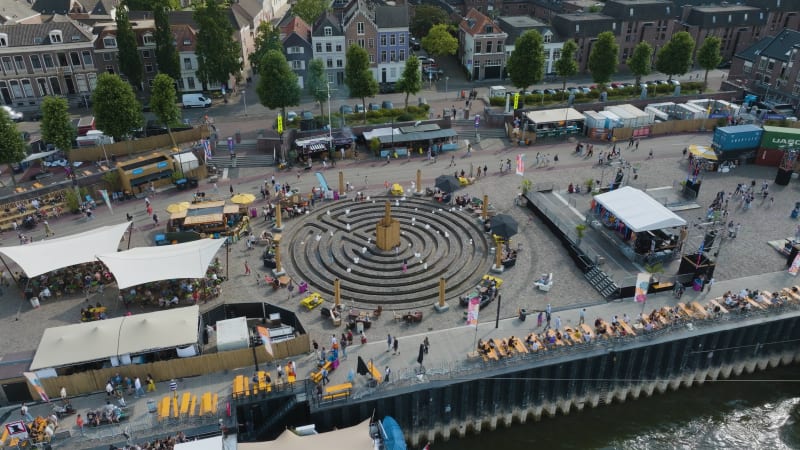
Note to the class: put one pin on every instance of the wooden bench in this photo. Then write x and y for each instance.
(205, 404)
(626, 327)
(587, 329)
(473, 355)
(754, 303)
(699, 311)
(163, 408)
(376, 374)
(193, 406)
(185, 400)
(716, 304)
(316, 376)
(519, 346)
(686, 311)
(337, 391)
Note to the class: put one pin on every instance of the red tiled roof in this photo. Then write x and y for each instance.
(296, 25)
(475, 23)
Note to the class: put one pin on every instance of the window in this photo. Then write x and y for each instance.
(383, 55)
(338, 47)
(330, 78)
(55, 37)
(148, 39)
(556, 54)
(748, 67)
(190, 83)
(19, 61)
(110, 69)
(48, 61)
(16, 90)
(62, 59)
(43, 88)
(75, 59)
(148, 68)
(329, 63)
(329, 47)
(319, 47)
(392, 56)
(110, 42)
(80, 79)
(146, 54)
(401, 38)
(150, 82)
(371, 58)
(762, 63)
(771, 65)
(36, 63)
(489, 47)
(392, 73)
(383, 39)
(294, 50)
(27, 88)
(87, 58)
(181, 85)
(371, 42)
(360, 27)
(187, 64)
(328, 31)
(7, 66)
(92, 81)
(187, 42)
(361, 43)
(392, 39)
(548, 38)
(402, 55)
(478, 47)
(339, 63)
(297, 65)
(3, 40)
(108, 56)
(350, 42)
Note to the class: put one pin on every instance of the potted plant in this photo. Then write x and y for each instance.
(526, 186)
(581, 230)
(654, 270)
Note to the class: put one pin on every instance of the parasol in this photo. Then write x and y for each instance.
(503, 225)
(447, 183)
(243, 199)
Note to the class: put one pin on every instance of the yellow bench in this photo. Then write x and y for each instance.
(316, 376)
(163, 408)
(337, 391)
(262, 382)
(214, 401)
(376, 374)
(205, 404)
(185, 400)
(174, 401)
(312, 301)
(193, 406)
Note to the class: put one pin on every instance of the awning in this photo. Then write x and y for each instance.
(212, 443)
(39, 155)
(637, 210)
(145, 264)
(378, 132)
(703, 152)
(419, 136)
(555, 116)
(41, 257)
(126, 335)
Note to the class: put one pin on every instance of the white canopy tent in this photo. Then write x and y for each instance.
(353, 438)
(637, 210)
(41, 257)
(555, 116)
(120, 336)
(39, 155)
(145, 264)
(212, 443)
(186, 161)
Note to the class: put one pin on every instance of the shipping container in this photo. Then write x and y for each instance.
(642, 118)
(595, 120)
(627, 119)
(656, 114)
(613, 120)
(739, 137)
(780, 138)
(769, 157)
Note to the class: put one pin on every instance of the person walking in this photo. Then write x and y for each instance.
(386, 374)
(246, 268)
(231, 189)
(155, 219)
(395, 346)
(79, 423)
(425, 343)
(539, 319)
(173, 387)
(343, 345)
(137, 386)
(23, 410)
(558, 323)
(547, 317)
(279, 370)
(47, 230)
(324, 374)
(452, 160)
(582, 318)
(388, 342)
(151, 383)
(549, 309)
(710, 283)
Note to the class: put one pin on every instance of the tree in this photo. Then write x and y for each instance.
(115, 107)
(129, 62)
(268, 38)
(151, 5)
(708, 56)
(425, 17)
(56, 126)
(439, 41)
(317, 83)
(566, 66)
(12, 146)
(358, 77)
(526, 64)
(309, 10)
(166, 54)
(675, 56)
(275, 71)
(164, 102)
(410, 80)
(603, 57)
(640, 61)
(217, 52)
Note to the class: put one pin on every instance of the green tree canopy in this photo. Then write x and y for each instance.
(317, 83)
(309, 10)
(166, 54)
(567, 66)
(12, 146)
(164, 102)
(268, 38)
(425, 17)
(526, 64)
(604, 57)
(675, 57)
(129, 62)
(217, 52)
(410, 80)
(708, 56)
(439, 41)
(358, 76)
(115, 107)
(56, 126)
(640, 61)
(151, 5)
(275, 72)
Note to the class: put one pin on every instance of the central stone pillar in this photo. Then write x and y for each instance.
(418, 190)
(278, 223)
(387, 231)
(278, 270)
(342, 191)
(442, 306)
(337, 293)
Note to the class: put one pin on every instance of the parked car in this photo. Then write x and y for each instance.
(426, 60)
(415, 45)
(346, 109)
(374, 107)
(584, 89)
(307, 115)
(195, 101)
(358, 107)
(16, 116)
(537, 91)
(573, 90)
(550, 91)
(675, 82)
(291, 115)
(386, 104)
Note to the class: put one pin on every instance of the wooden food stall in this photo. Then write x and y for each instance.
(210, 218)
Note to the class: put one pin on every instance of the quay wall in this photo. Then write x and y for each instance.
(440, 406)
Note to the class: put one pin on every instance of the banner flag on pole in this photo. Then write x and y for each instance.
(795, 267)
(264, 333)
(642, 283)
(521, 164)
(104, 194)
(206, 149)
(472, 311)
(33, 379)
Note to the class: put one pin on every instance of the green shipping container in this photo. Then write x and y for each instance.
(780, 138)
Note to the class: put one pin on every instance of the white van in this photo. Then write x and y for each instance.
(196, 101)
(94, 138)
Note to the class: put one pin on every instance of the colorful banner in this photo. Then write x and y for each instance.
(521, 164)
(472, 311)
(264, 333)
(795, 267)
(642, 284)
(104, 194)
(206, 148)
(33, 379)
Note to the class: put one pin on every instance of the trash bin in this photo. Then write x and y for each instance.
(238, 137)
(35, 302)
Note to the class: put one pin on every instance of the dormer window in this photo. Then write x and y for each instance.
(75, 38)
(489, 29)
(148, 39)
(110, 42)
(328, 31)
(3, 40)
(55, 37)
(187, 42)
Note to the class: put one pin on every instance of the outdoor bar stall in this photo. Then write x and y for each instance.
(646, 230)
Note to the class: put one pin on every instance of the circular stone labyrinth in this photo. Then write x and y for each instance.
(337, 240)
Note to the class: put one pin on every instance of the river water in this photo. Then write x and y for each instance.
(760, 414)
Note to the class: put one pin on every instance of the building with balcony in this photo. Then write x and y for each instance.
(481, 49)
(650, 21)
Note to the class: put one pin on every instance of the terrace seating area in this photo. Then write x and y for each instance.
(186, 405)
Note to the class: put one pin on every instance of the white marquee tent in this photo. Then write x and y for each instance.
(352, 438)
(637, 210)
(41, 257)
(117, 337)
(145, 264)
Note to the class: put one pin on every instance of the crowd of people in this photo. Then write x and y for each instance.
(167, 443)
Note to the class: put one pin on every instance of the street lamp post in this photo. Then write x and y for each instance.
(330, 125)
(244, 98)
(446, 79)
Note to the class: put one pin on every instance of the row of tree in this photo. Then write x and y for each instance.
(526, 64)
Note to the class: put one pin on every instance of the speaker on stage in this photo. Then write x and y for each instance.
(783, 177)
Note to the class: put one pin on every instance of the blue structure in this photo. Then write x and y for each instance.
(393, 35)
(739, 137)
(393, 438)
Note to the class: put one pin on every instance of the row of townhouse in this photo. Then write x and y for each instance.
(59, 47)
(770, 68)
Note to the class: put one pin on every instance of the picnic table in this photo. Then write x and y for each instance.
(626, 327)
(699, 310)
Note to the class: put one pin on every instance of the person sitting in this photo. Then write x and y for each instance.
(534, 346)
(481, 346)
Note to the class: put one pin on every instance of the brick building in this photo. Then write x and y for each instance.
(770, 68)
(481, 48)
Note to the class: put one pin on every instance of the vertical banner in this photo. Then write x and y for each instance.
(104, 194)
(795, 267)
(642, 283)
(521, 164)
(264, 333)
(206, 149)
(472, 311)
(33, 379)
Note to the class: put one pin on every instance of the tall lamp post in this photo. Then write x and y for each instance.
(244, 98)
(446, 79)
